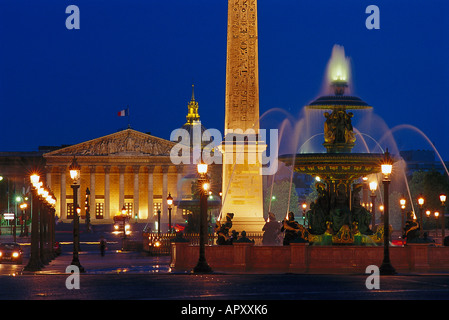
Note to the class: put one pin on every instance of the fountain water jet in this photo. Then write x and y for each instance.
(411, 127)
(337, 213)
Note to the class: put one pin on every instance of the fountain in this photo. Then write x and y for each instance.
(337, 216)
(341, 237)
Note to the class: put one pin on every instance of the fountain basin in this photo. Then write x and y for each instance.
(335, 166)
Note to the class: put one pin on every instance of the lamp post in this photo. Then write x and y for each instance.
(158, 222)
(75, 174)
(34, 264)
(427, 216)
(386, 268)
(437, 215)
(443, 224)
(402, 203)
(22, 207)
(202, 266)
(373, 188)
(304, 207)
(87, 209)
(124, 217)
(169, 203)
(421, 206)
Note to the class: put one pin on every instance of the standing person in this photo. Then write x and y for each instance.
(271, 231)
(291, 228)
(103, 243)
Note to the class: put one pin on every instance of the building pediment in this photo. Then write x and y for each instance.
(127, 143)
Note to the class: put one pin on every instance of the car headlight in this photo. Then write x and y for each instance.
(115, 227)
(15, 254)
(1, 253)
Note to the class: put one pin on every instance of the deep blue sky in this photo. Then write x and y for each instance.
(60, 86)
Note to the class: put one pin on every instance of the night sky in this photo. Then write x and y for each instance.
(60, 86)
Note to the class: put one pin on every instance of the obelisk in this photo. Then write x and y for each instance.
(242, 180)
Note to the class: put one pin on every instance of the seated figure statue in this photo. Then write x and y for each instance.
(222, 230)
(340, 214)
(359, 213)
(294, 232)
(318, 213)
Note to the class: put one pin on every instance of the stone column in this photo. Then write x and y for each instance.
(179, 170)
(150, 193)
(92, 203)
(121, 186)
(107, 198)
(48, 176)
(62, 195)
(136, 191)
(164, 214)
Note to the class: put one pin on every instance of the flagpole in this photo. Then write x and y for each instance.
(129, 122)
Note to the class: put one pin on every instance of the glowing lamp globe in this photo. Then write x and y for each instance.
(75, 171)
(202, 168)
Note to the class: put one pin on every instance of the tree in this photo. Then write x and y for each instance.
(429, 184)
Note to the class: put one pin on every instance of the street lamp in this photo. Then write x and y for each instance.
(436, 214)
(34, 264)
(421, 206)
(373, 188)
(304, 207)
(202, 266)
(443, 224)
(402, 202)
(386, 167)
(124, 219)
(87, 209)
(75, 174)
(169, 203)
(17, 200)
(23, 206)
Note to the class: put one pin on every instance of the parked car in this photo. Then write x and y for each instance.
(11, 252)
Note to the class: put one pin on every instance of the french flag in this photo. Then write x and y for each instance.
(123, 113)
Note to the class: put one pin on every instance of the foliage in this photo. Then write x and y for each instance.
(429, 184)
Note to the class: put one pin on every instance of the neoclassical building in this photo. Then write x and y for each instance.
(127, 169)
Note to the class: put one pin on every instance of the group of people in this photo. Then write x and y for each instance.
(273, 230)
(292, 230)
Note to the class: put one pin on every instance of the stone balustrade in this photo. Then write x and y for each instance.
(304, 258)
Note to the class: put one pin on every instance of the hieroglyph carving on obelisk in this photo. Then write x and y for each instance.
(242, 75)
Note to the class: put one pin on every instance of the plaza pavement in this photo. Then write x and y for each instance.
(136, 276)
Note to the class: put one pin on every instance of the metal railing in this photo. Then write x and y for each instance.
(165, 239)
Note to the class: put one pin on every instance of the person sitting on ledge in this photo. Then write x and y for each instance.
(222, 230)
(292, 229)
(179, 237)
(244, 239)
(271, 231)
